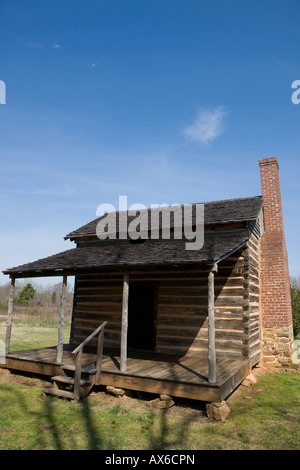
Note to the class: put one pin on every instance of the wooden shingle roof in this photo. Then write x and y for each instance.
(215, 213)
(150, 253)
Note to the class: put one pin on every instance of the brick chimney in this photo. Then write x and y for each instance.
(275, 297)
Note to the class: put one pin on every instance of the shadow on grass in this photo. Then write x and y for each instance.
(79, 421)
(154, 430)
(53, 423)
(32, 421)
(94, 437)
(165, 437)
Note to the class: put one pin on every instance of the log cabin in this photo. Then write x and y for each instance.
(152, 316)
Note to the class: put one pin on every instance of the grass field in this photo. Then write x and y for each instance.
(265, 416)
(30, 335)
(33, 328)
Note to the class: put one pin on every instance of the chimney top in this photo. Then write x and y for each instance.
(268, 161)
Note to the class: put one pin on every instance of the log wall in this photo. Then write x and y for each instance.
(97, 299)
(252, 281)
(182, 326)
(181, 311)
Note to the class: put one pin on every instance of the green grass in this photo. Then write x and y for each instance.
(267, 419)
(34, 334)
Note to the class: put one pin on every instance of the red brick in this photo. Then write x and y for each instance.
(275, 299)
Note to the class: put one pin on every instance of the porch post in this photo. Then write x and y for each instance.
(61, 323)
(212, 378)
(9, 315)
(123, 358)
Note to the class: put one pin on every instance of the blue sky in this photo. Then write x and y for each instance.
(164, 101)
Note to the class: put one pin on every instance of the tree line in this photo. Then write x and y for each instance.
(295, 295)
(29, 293)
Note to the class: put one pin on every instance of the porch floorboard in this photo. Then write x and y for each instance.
(185, 376)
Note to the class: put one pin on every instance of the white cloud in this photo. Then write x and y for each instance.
(56, 46)
(66, 191)
(207, 127)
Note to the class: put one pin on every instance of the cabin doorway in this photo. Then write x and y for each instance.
(141, 316)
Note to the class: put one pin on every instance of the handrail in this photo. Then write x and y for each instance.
(78, 352)
(88, 339)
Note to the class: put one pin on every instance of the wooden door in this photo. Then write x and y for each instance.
(141, 316)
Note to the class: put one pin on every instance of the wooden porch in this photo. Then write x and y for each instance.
(185, 377)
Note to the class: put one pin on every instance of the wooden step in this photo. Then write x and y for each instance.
(86, 370)
(69, 380)
(58, 392)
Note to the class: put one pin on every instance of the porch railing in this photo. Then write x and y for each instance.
(78, 357)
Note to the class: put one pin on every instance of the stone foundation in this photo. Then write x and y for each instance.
(217, 411)
(277, 346)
